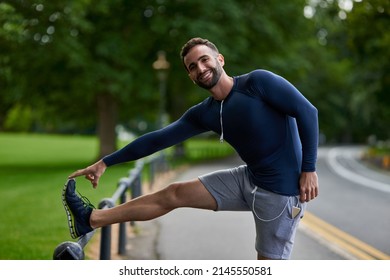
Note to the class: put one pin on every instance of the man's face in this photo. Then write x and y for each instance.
(204, 66)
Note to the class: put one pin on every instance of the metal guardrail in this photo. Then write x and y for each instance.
(70, 250)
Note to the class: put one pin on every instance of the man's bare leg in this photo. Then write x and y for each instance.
(180, 194)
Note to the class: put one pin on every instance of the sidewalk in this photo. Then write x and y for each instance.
(192, 234)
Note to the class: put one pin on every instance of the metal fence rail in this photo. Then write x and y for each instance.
(70, 250)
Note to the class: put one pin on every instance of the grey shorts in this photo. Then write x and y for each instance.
(275, 226)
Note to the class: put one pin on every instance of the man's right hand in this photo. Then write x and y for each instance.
(91, 173)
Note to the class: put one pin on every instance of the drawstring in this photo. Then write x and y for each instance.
(221, 121)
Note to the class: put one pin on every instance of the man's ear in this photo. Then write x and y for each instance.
(189, 76)
(221, 59)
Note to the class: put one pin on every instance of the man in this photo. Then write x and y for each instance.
(271, 125)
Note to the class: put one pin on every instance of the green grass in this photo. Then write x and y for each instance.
(379, 151)
(33, 170)
(378, 157)
(200, 149)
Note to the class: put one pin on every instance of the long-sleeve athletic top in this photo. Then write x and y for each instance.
(270, 124)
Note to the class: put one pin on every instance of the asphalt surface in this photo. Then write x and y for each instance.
(193, 234)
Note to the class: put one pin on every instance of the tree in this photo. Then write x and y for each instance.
(86, 62)
(354, 75)
(370, 53)
(11, 35)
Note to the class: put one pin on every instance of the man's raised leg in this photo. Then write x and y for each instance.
(180, 194)
(83, 218)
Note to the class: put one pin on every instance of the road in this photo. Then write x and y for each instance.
(349, 220)
(355, 199)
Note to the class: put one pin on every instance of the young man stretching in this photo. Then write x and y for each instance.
(270, 124)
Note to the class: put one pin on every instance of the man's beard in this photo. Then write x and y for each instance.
(216, 75)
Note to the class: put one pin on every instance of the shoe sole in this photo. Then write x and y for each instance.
(69, 214)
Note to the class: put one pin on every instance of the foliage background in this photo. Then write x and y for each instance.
(85, 66)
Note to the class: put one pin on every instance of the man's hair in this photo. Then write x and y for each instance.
(195, 42)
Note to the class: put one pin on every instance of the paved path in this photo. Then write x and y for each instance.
(192, 234)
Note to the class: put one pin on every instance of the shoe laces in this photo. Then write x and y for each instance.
(85, 200)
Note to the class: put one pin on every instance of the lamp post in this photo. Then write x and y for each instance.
(161, 66)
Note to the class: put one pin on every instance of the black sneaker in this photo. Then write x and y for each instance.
(78, 209)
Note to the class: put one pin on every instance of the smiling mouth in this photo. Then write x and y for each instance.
(205, 76)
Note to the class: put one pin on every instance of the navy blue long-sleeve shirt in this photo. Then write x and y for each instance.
(270, 124)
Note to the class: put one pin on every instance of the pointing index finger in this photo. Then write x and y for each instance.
(77, 173)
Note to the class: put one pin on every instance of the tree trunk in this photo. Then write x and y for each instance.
(107, 117)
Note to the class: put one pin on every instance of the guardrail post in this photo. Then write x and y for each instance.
(105, 241)
(152, 170)
(122, 240)
(137, 187)
(136, 190)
